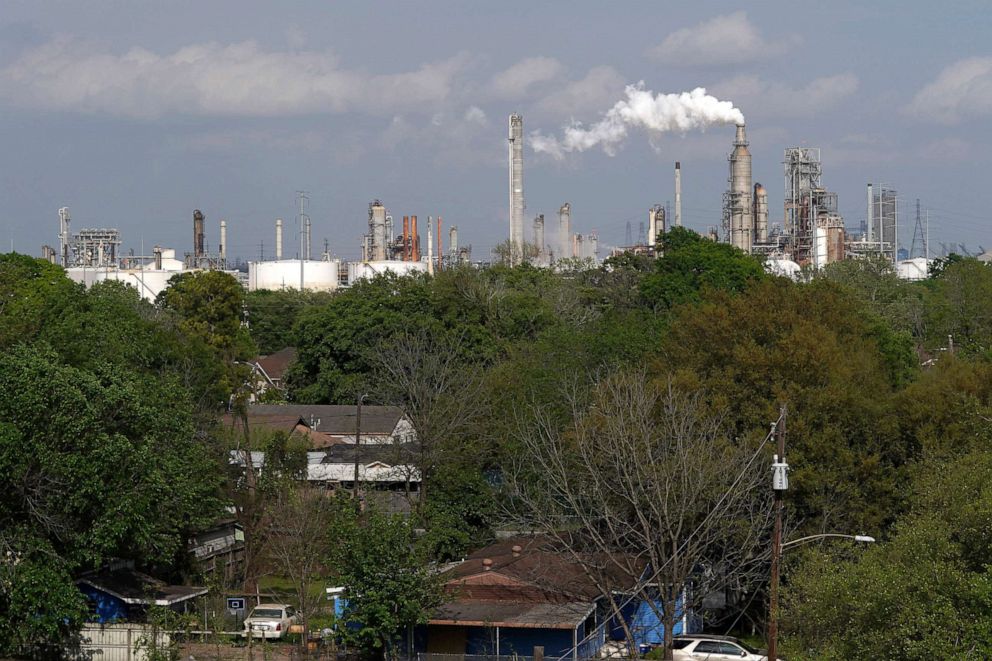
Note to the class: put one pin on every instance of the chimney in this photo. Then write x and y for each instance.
(197, 234)
(487, 564)
(406, 239)
(158, 258)
(430, 248)
(278, 239)
(678, 194)
(415, 248)
(223, 241)
(516, 550)
(439, 244)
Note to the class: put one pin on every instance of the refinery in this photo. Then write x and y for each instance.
(810, 233)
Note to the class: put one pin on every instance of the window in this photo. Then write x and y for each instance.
(707, 647)
(730, 648)
(680, 644)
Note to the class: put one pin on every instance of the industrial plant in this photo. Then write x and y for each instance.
(810, 234)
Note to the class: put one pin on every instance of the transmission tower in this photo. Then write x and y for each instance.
(919, 235)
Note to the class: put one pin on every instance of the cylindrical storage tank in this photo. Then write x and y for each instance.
(285, 274)
(359, 270)
(820, 252)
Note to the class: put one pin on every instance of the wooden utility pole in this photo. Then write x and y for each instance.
(358, 442)
(779, 485)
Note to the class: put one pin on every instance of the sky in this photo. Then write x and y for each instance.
(134, 112)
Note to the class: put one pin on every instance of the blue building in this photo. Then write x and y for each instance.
(124, 595)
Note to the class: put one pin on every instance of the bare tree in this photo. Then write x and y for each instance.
(300, 542)
(425, 373)
(642, 482)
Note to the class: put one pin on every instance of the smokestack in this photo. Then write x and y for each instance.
(565, 231)
(439, 251)
(760, 214)
(306, 238)
(453, 242)
(739, 206)
(197, 234)
(415, 248)
(539, 236)
(278, 239)
(430, 248)
(377, 228)
(64, 236)
(405, 256)
(678, 194)
(223, 240)
(870, 217)
(516, 187)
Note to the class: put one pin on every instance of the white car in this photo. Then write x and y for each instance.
(270, 621)
(714, 648)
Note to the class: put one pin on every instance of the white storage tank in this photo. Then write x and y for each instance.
(359, 270)
(916, 268)
(783, 267)
(285, 274)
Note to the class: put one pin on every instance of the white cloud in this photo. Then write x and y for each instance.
(213, 79)
(756, 96)
(727, 39)
(516, 81)
(962, 90)
(598, 89)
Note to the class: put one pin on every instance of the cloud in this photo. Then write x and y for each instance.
(723, 40)
(516, 81)
(216, 80)
(773, 99)
(962, 90)
(598, 88)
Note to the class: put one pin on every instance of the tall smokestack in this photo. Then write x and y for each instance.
(64, 236)
(870, 216)
(415, 248)
(430, 248)
(516, 187)
(405, 256)
(453, 242)
(377, 227)
(306, 238)
(565, 231)
(539, 236)
(278, 239)
(678, 194)
(439, 244)
(197, 233)
(223, 241)
(738, 203)
(760, 214)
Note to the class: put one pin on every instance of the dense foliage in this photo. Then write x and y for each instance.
(110, 446)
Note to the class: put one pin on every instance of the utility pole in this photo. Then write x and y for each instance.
(358, 441)
(780, 483)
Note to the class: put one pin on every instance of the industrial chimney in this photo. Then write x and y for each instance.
(565, 231)
(516, 187)
(430, 248)
(64, 236)
(453, 243)
(678, 194)
(738, 206)
(539, 236)
(223, 242)
(760, 214)
(197, 236)
(377, 228)
(278, 239)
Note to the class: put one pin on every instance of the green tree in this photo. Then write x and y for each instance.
(210, 306)
(389, 586)
(272, 315)
(691, 264)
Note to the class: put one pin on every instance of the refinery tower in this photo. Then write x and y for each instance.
(738, 209)
(516, 188)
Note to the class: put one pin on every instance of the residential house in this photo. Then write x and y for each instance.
(220, 550)
(119, 593)
(269, 372)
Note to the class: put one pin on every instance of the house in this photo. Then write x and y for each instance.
(339, 423)
(120, 593)
(520, 593)
(220, 549)
(269, 372)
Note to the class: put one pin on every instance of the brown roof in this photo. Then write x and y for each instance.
(276, 364)
(337, 419)
(513, 614)
(540, 572)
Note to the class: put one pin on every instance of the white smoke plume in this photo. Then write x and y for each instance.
(641, 109)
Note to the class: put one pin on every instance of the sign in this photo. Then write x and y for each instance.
(236, 603)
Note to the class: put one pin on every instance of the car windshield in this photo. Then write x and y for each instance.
(267, 612)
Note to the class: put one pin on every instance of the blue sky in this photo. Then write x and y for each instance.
(133, 113)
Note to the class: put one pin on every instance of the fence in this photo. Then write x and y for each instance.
(118, 642)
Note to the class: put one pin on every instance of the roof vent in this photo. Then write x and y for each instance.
(487, 564)
(516, 550)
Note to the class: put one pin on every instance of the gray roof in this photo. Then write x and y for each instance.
(336, 419)
(134, 587)
(513, 614)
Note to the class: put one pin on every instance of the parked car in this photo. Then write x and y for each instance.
(702, 647)
(270, 621)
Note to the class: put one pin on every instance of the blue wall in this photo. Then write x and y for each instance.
(108, 608)
(645, 625)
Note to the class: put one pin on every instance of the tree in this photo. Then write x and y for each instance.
(299, 545)
(641, 476)
(961, 306)
(389, 586)
(691, 264)
(272, 315)
(922, 594)
(210, 306)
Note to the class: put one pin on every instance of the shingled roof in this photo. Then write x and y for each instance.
(335, 419)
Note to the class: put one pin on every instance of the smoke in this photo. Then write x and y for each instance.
(641, 109)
